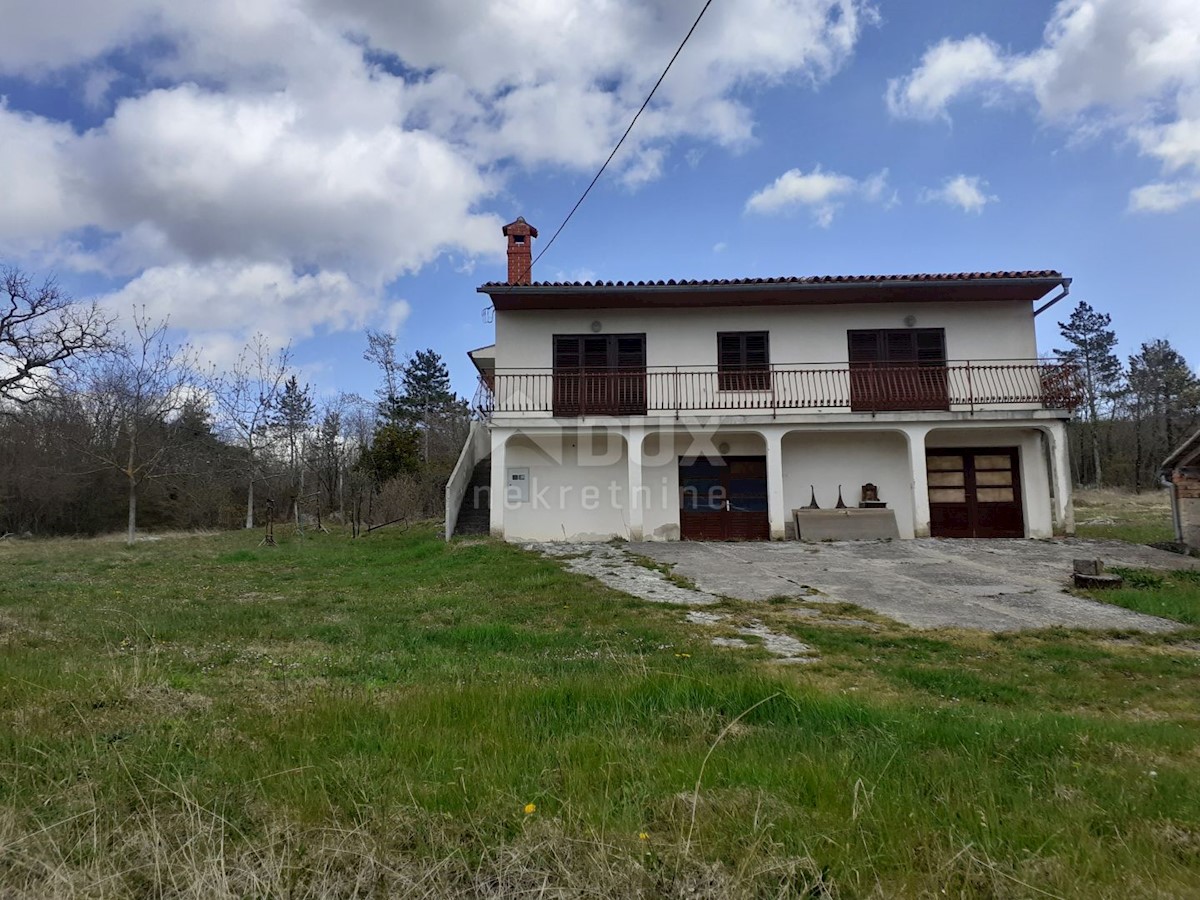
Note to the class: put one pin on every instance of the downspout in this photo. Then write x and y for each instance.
(1176, 517)
(1066, 289)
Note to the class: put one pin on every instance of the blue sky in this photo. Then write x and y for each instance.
(309, 168)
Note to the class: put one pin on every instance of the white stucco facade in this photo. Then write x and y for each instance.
(596, 477)
(1001, 330)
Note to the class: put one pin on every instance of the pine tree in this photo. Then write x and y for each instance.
(1166, 395)
(1092, 344)
(427, 404)
(293, 414)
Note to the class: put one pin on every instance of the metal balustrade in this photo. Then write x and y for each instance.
(819, 388)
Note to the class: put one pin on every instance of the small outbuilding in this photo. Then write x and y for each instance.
(1182, 470)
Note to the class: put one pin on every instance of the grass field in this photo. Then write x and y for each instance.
(394, 716)
(1123, 515)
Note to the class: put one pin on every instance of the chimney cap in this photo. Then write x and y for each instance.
(520, 226)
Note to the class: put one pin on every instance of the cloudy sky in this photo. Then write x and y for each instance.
(311, 168)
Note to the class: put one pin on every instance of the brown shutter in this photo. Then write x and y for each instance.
(755, 354)
(596, 353)
(567, 353)
(899, 346)
(865, 346)
(631, 351)
(729, 351)
(931, 346)
(743, 361)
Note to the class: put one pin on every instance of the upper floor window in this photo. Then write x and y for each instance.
(898, 346)
(743, 361)
(599, 374)
(898, 369)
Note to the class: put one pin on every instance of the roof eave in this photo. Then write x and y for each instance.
(1191, 445)
(764, 286)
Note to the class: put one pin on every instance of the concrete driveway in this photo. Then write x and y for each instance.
(992, 585)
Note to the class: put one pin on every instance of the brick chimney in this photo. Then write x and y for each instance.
(520, 236)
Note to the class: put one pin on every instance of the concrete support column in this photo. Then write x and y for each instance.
(776, 513)
(497, 495)
(637, 502)
(1060, 472)
(920, 479)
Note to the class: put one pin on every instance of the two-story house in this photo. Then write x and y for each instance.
(715, 410)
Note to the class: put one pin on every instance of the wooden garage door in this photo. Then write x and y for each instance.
(975, 492)
(724, 499)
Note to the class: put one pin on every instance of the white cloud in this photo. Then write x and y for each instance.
(1129, 65)
(967, 192)
(37, 203)
(317, 149)
(947, 70)
(234, 300)
(1164, 196)
(820, 191)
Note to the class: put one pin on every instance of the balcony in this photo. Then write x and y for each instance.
(815, 388)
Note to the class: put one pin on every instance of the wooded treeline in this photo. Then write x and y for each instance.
(103, 430)
(1134, 410)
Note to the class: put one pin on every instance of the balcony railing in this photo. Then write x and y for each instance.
(818, 388)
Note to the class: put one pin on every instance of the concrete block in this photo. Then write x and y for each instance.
(845, 524)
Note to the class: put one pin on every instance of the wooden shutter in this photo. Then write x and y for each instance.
(865, 346)
(597, 354)
(899, 346)
(599, 374)
(631, 351)
(931, 346)
(567, 377)
(567, 352)
(897, 369)
(743, 361)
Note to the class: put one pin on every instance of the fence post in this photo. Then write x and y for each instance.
(970, 387)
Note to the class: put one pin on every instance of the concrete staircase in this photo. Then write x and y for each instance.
(472, 518)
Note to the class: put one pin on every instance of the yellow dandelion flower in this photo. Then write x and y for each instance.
(530, 809)
(642, 836)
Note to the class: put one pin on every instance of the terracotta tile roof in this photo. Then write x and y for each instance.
(810, 279)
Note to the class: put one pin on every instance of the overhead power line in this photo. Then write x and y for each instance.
(632, 122)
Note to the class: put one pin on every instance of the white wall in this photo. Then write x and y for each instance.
(1035, 476)
(578, 488)
(801, 334)
(826, 459)
(579, 480)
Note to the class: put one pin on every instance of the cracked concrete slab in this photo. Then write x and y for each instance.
(990, 585)
(784, 647)
(611, 564)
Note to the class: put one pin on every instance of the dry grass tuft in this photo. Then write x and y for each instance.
(190, 851)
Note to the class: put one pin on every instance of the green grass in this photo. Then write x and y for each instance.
(1111, 514)
(203, 717)
(1172, 595)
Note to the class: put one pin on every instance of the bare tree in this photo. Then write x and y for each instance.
(381, 350)
(42, 331)
(245, 398)
(135, 395)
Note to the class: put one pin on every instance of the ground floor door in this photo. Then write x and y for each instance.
(975, 492)
(723, 499)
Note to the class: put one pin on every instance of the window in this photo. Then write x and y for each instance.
(900, 346)
(743, 361)
(599, 374)
(898, 369)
